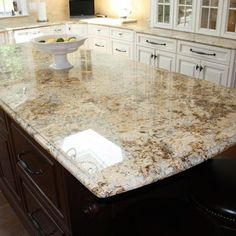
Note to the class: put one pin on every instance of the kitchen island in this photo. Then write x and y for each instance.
(114, 124)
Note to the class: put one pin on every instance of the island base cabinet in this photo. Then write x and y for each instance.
(38, 216)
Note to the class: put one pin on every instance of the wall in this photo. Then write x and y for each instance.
(140, 9)
(59, 10)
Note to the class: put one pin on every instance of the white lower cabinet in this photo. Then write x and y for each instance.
(201, 69)
(100, 44)
(121, 48)
(156, 58)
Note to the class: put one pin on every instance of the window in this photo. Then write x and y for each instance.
(12, 7)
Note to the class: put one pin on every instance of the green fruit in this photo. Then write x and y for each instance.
(60, 40)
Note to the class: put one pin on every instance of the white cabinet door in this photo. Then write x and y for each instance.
(185, 15)
(162, 13)
(229, 21)
(165, 60)
(122, 48)
(188, 66)
(209, 16)
(145, 55)
(100, 44)
(79, 29)
(215, 73)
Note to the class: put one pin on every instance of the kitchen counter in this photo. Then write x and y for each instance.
(139, 27)
(113, 123)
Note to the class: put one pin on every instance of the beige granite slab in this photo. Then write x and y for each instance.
(115, 124)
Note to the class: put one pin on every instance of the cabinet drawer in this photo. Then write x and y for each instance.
(122, 34)
(2, 120)
(58, 29)
(200, 51)
(79, 29)
(38, 216)
(100, 44)
(156, 42)
(122, 49)
(35, 166)
(101, 31)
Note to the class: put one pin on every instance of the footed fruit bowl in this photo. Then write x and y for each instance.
(59, 46)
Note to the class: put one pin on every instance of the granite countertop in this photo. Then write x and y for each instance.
(139, 27)
(115, 124)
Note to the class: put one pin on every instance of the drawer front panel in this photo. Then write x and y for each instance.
(122, 49)
(156, 42)
(41, 221)
(200, 51)
(101, 31)
(35, 166)
(122, 34)
(100, 44)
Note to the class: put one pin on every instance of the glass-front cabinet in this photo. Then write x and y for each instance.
(212, 17)
(162, 15)
(209, 16)
(229, 23)
(184, 17)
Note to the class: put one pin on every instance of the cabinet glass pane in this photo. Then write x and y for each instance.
(214, 3)
(167, 14)
(189, 2)
(213, 19)
(160, 13)
(232, 21)
(204, 22)
(185, 12)
(206, 2)
(233, 4)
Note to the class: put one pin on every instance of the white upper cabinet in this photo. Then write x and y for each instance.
(184, 15)
(229, 22)
(209, 16)
(212, 17)
(162, 13)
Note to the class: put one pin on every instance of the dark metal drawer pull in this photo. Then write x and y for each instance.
(118, 50)
(120, 34)
(25, 165)
(98, 45)
(203, 53)
(161, 44)
(37, 225)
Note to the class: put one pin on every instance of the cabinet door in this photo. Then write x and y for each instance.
(188, 66)
(229, 21)
(2, 38)
(165, 60)
(162, 13)
(145, 55)
(122, 48)
(209, 16)
(215, 73)
(79, 29)
(100, 44)
(184, 17)
(6, 170)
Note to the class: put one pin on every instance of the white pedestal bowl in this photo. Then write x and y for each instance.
(59, 50)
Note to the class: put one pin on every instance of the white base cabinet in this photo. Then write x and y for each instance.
(156, 58)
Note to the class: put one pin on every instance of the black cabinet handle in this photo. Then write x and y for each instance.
(201, 68)
(120, 34)
(98, 30)
(197, 67)
(154, 43)
(153, 56)
(118, 50)
(99, 45)
(25, 165)
(37, 225)
(203, 53)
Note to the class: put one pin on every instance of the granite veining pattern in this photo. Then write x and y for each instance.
(115, 124)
